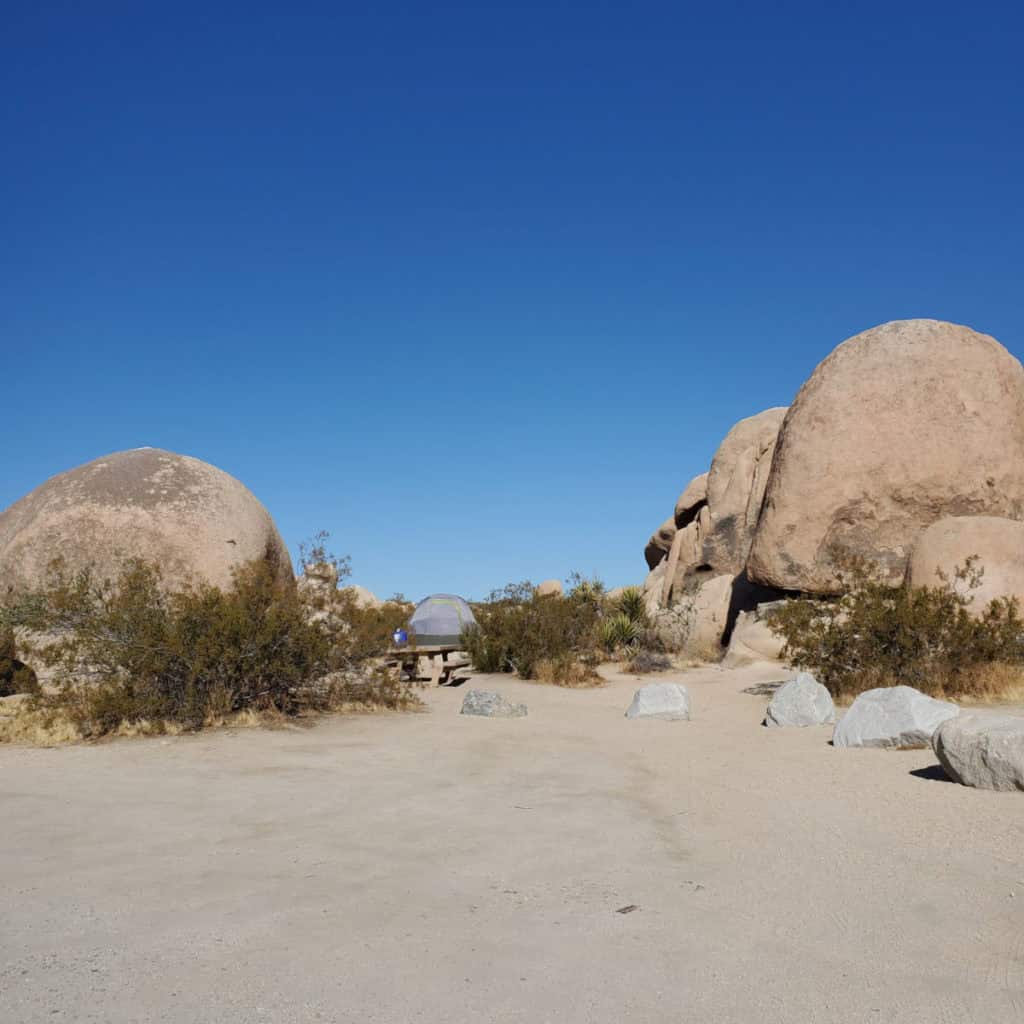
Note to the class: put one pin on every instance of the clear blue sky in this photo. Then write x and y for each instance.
(476, 287)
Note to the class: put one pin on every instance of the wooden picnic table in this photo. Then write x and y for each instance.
(407, 658)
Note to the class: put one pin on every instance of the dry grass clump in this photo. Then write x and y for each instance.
(925, 637)
(567, 670)
(29, 724)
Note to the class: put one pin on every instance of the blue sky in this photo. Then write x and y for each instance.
(478, 288)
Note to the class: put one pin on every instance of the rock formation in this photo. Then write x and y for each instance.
(900, 425)
(550, 588)
(362, 597)
(736, 486)
(192, 519)
(949, 542)
(908, 438)
(712, 525)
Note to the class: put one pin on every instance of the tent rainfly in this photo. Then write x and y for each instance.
(439, 620)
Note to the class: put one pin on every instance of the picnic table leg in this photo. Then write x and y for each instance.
(437, 671)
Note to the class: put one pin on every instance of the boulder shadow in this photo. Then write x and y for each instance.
(933, 773)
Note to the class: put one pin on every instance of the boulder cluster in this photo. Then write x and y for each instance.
(904, 449)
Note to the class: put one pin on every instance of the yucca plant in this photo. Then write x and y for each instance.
(619, 631)
(631, 604)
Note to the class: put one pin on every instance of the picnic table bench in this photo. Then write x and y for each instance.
(441, 669)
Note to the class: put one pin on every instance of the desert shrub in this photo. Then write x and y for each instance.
(625, 626)
(126, 651)
(648, 661)
(568, 669)
(15, 676)
(631, 604)
(516, 630)
(925, 637)
(618, 631)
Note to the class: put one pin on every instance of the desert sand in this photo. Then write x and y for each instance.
(432, 867)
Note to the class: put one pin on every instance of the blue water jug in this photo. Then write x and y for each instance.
(399, 636)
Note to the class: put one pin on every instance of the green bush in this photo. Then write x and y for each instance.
(556, 637)
(925, 637)
(618, 631)
(127, 651)
(631, 604)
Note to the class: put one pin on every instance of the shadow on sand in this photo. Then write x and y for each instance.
(933, 773)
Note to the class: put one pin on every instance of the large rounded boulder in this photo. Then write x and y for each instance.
(946, 545)
(900, 425)
(193, 520)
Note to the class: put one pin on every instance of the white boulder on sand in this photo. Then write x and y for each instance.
(983, 751)
(489, 704)
(668, 701)
(801, 702)
(898, 717)
(193, 520)
(900, 425)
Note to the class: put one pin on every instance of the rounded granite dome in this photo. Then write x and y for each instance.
(193, 520)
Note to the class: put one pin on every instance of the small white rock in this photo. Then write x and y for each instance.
(801, 702)
(668, 701)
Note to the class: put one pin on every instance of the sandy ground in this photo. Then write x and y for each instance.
(431, 867)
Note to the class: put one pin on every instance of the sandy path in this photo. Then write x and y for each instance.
(429, 868)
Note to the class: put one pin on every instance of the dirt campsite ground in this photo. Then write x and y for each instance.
(571, 866)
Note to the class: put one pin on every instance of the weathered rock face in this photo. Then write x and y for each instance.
(694, 495)
(667, 701)
(736, 486)
(550, 588)
(949, 542)
(660, 543)
(652, 587)
(892, 716)
(984, 751)
(712, 524)
(801, 702)
(752, 641)
(700, 620)
(191, 518)
(900, 425)
(695, 624)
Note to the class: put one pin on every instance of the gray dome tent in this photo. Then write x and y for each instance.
(439, 620)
